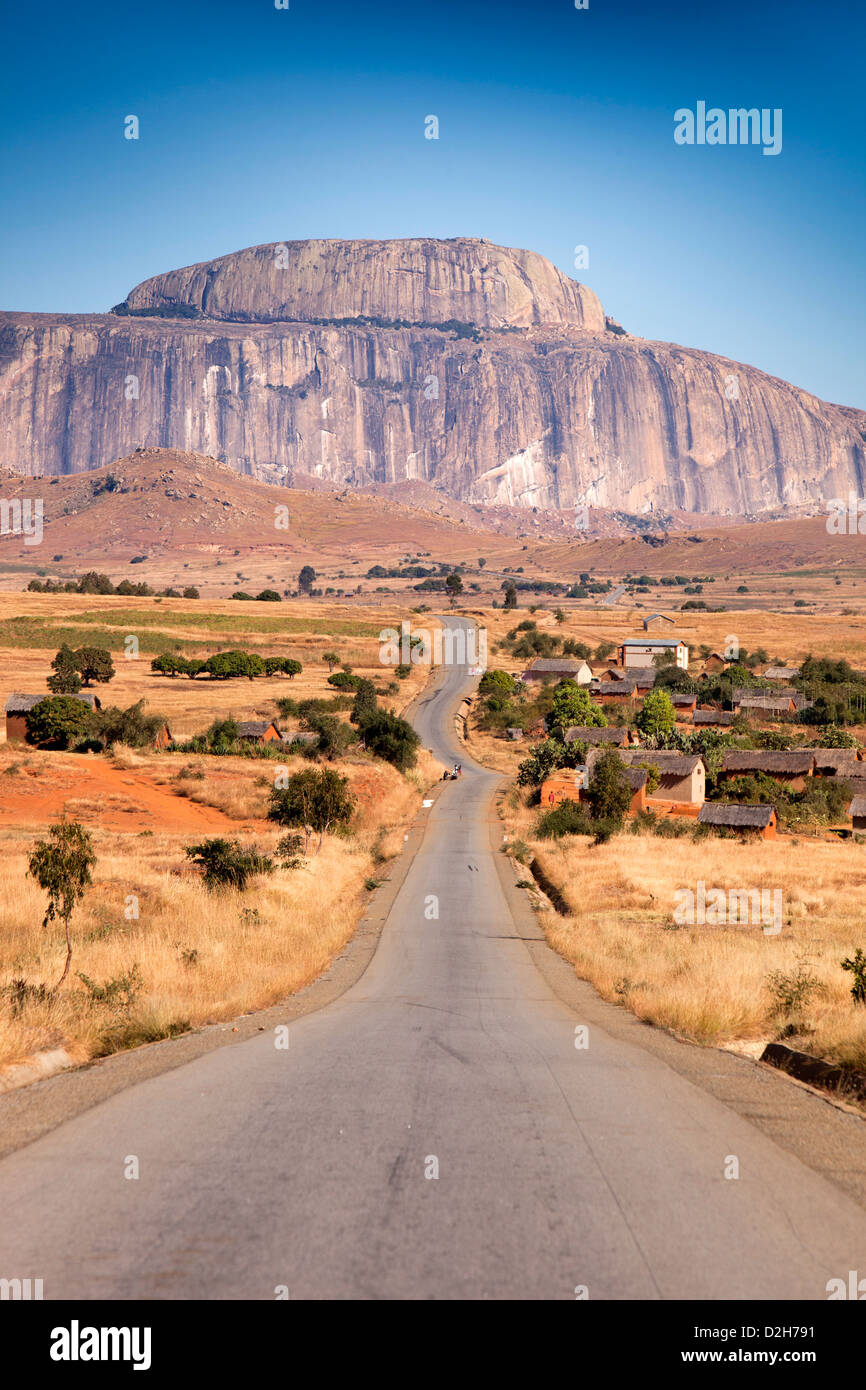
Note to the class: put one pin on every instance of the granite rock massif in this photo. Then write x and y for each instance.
(481, 370)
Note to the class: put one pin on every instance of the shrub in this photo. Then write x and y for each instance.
(227, 863)
(387, 736)
(61, 721)
(568, 818)
(313, 801)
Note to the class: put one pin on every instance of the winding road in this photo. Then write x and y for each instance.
(435, 1133)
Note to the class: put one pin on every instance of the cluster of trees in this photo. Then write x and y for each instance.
(94, 582)
(223, 666)
(83, 667)
(837, 690)
(265, 596)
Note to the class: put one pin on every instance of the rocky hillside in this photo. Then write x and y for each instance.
(480, 370)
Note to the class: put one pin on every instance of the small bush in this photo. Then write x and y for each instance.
(228, 863)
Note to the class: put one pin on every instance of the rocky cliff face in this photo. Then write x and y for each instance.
(537, 404)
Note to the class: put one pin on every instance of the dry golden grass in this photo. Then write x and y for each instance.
(710, 983)
(303, 630)
(201, 956)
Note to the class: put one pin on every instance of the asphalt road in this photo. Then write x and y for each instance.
(434, 1133)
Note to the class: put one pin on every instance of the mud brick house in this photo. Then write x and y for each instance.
(566, 784)
(636, 651)
(596, 738)
(614, 692)
(299, 736)
(545, 668)
(756, 820)
(712, 718)
(790, 768)
(657, 620)
(857, 812)
(18, 706)
(682, 776)
(258, 731)
(569, 784)
(715, 662)
(771, 705)
(684, 704)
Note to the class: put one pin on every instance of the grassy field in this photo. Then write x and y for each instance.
(730, 984)
(191, 956)
(33, 626)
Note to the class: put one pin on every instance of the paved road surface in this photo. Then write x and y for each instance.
(307, 1167)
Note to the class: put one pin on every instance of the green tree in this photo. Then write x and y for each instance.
(223, 666)
(191, 592)
(269, 596)
(572, 704)
(453, 586)
(544, 758)
(306, 579)
(168, 665)
(657, 716)
(497, 682)
(510, 600)
(66, 680)
(388, 737)
(609, 794)
(94, 664)
(62, 866)
(331, 659)
(59, 720)
(365, 704)
(313, 801)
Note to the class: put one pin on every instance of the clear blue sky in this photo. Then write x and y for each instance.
(556, 129)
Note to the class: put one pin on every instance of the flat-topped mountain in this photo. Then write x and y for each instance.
(481, 371)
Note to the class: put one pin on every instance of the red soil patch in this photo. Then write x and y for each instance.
(89, 789)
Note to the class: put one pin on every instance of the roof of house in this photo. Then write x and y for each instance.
(635, 777)
(794, 764)
(669, 764)
(713, 716)
(781, 673)
(769, 692)
(254, 728)
(554, 664)
(736, 814)
(17, 703)
(628, 688)
(579, 733)
(653, 617)
(837, 759)
(858, 806)
(682, 701)
(773, 704)
(652, 642)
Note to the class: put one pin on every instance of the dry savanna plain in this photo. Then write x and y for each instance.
(155, 952)
(188, 956)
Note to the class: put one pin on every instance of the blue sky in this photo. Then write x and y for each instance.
(556, 130)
